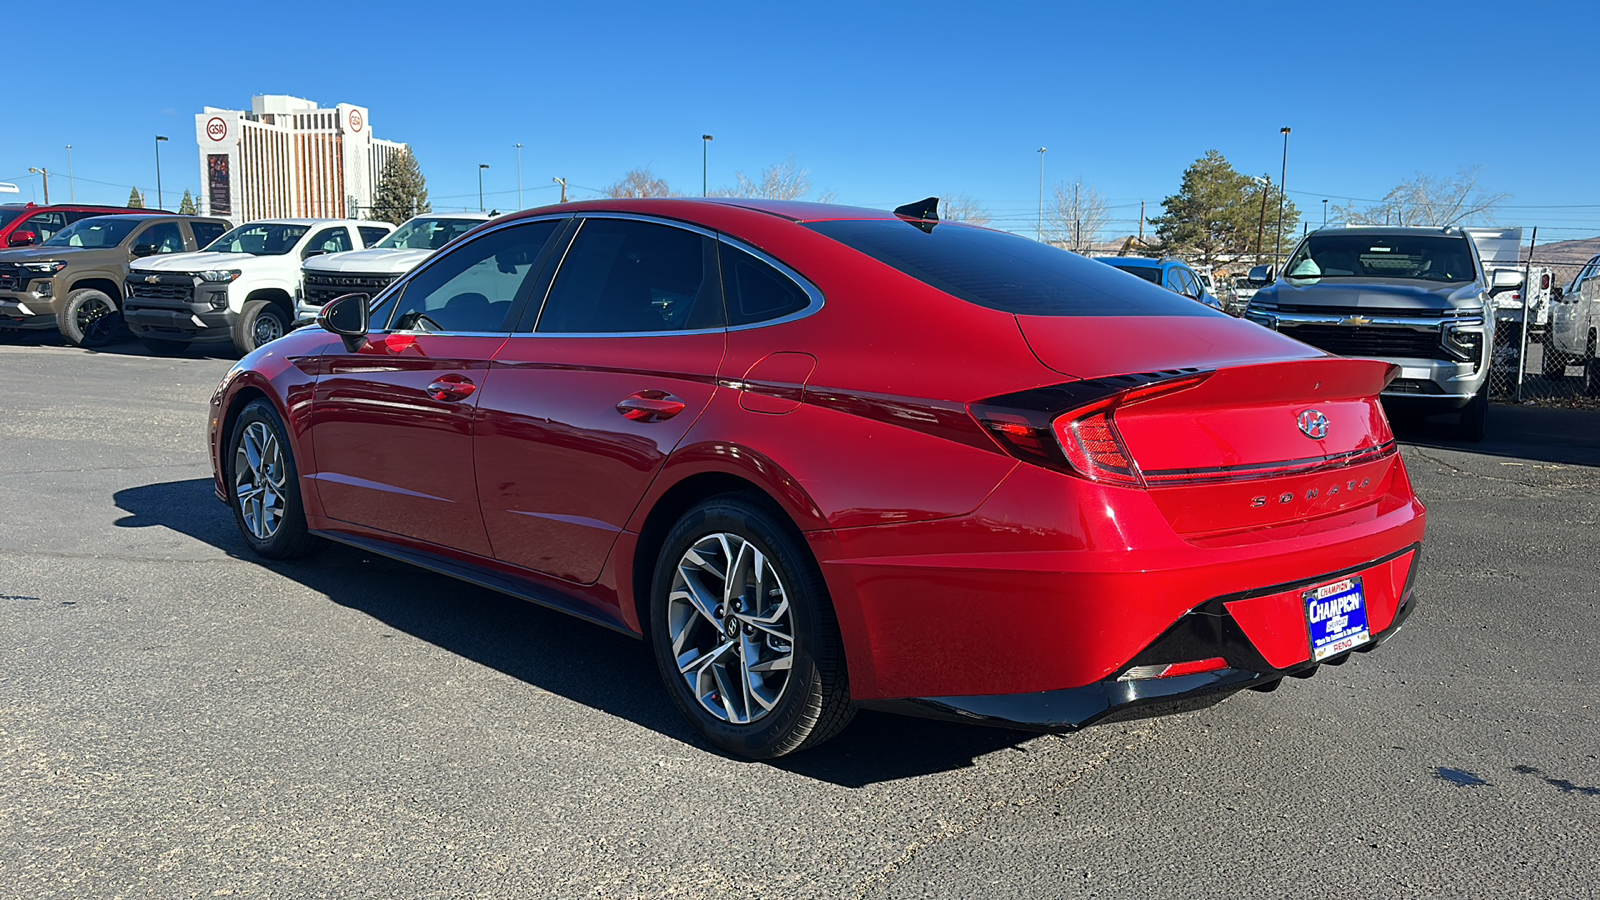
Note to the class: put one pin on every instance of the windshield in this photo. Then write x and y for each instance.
(260, 239)
(427, 234)
(99, 232)
(1422, 257)
(9, 214)
(1151, 274)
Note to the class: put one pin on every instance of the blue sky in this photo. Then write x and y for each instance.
(883, 103)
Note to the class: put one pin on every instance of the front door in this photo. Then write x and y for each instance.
(392, 422)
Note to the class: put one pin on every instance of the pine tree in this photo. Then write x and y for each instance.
(402, 191)
(135, 199)
(187, 207)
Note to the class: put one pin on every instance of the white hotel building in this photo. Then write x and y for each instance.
(288, 158)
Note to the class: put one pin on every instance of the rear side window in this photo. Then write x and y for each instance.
(625, 276)
(371, 235)
(757, 292)
(206, 232)
(1006, 272)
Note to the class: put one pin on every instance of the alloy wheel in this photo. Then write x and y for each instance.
(96, 320)
(728, 619)
(258, 480)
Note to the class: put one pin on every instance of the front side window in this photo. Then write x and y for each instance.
(100, 232)
(625, 276)
(472, 288)
(261, 239)
(428, 234)
(1421, 257)
(45, 225)
(370, 236)
(206, 232)
(166, 236)
(331, 240)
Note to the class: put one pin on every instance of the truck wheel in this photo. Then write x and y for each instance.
(162, 347)
(89, 318)
(259, 323)
(1591, 368)
(1473, 416)
(1555, 362)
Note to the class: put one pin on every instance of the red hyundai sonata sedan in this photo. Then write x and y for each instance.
(825, 458)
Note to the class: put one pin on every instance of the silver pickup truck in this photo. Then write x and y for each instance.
(1416, 297)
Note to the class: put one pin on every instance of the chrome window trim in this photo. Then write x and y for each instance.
(403, 280)
(814, 295)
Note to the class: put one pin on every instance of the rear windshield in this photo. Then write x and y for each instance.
(1006, 272)
(1151, 274)
(1424, 257)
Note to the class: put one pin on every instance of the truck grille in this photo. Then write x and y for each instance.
(319, 289)
(1358, 340)
(181, 293)
(10, 278)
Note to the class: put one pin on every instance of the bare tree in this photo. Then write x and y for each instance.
(1429, 200)
(1077, 216)
(781, 181)
(641, 183)
(961, 207)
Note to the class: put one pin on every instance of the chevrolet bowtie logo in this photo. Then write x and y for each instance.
(152, 279)
(1355, 320)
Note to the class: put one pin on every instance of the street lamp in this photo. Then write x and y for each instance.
(563, 183)
(160, 139)
(1283, 194)
(1324, 214)
(481, 167)
(72, 190)
(1041, 192)
(519, 177)
(705, 151)
(46, 176)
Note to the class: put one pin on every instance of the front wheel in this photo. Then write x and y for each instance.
(1474, 416)
(89, 318)
(260, 322)
(265, 486)
(744, 632)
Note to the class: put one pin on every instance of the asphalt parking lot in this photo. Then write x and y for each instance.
(179, 719)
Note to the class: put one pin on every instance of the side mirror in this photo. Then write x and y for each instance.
(23, 238)
(1260, 276)
(142, 250)
(348, 316)
(1506, 278)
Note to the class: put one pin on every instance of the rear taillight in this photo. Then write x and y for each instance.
(1073, 428)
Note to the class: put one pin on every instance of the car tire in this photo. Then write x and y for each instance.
(264, 486)
(1591, 367)
(163, 347)
(1474, 416)
(1555, 362)
(258, 323)
(89, 318)
(719, 554)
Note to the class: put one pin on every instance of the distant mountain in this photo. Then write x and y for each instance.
(1566, 252)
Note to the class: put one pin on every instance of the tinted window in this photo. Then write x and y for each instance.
(1151, 274)
(206, 232)
(9, 214)
(1005, 272)
(1412, 256)
(370, 235)
(165, 235)
(332, 240)
(472, 287)
(628, 276)
(756, 292)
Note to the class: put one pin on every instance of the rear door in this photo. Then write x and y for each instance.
(586, 401)
(392, 422)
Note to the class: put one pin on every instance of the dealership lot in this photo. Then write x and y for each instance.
(178, 718)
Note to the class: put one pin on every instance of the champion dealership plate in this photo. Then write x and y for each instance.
(1336, 615)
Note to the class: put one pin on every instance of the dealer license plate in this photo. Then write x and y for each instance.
(1337, 616)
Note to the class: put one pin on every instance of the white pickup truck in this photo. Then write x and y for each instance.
(240, 289)
(1571, 348)
(370, 271)
(1526, 304)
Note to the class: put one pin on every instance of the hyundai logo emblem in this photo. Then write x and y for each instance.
(1314, 424)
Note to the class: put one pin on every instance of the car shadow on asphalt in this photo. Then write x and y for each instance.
(550, 650)
(1542, 433)
(124, 345)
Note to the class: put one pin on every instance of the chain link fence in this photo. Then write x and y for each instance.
(1544, 346)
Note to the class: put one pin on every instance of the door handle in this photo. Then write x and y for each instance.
(650, 406)
(451, 387)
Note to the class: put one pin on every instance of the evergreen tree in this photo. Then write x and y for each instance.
(1218, 214)
(402, 191)
(187, 207)
(135, 199)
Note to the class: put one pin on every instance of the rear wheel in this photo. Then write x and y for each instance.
(89, 318)
(1474, 416)
(260, 322)
(265, 486)
(744, 632)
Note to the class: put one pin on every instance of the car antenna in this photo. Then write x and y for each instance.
(924, 213)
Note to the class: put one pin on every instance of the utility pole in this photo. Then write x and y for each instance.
(563, 183)
(1324, 214)
(481, 167)
(519, 176)
(1283, 196)
(160, 139)
(45, 175)
(1141, 223)
(1041, 193)
(1261, 225)
(705, 154)
(72, 188)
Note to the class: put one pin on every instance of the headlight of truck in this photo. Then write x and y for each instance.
(1262, 314)
(48, 267)
(219, 276)
(1464, 345)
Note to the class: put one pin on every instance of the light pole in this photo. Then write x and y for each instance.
(705, 154)
(1041, 193)
(72, 189)
(160, 139)
(563, 183)
(1283, 177)
(46, 176)
(481, 167)
(1324, 214)
(519, 177)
